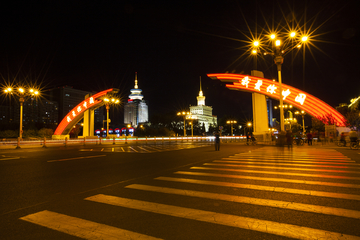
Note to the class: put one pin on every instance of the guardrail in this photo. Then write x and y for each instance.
(123, 140)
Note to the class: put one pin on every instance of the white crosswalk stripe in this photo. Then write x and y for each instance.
(264, 177)
(148, 148)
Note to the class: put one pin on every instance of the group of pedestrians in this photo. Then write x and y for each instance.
(289, 137)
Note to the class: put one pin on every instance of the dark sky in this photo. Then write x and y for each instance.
(95, 45)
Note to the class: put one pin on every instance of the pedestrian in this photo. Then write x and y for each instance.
(248, 137)
(217, 141)
(342, 138)
(309, 138)
(289, 139)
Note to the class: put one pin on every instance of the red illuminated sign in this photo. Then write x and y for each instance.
(77, 113)
(290, 95)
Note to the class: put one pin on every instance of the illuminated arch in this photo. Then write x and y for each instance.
(77, 113)
(291, 95)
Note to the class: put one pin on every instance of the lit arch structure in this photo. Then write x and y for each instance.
(291, 95)
(77, 113)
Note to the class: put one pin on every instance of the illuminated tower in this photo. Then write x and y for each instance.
(202, 112)
(136, 109)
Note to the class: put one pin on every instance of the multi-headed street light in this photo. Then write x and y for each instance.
(231, 122)
(184, 114)
(191, 118)
(109, 100)
(23, 93)
(302, 113)
(278, 48)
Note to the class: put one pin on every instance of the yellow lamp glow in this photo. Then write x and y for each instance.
(256, 43)
(272, 36)
(277, 42)
(292, 34)
(304, 38)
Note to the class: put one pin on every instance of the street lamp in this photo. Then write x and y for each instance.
(248, 124)
(184, 114)
(231, 122)
(302, 113)
(109, 100)
(23, 93)
(278, 49)
(191, 118)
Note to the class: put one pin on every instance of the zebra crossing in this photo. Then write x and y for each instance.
(304, 193)
(148, 148)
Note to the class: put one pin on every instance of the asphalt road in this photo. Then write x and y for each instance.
(180, 191)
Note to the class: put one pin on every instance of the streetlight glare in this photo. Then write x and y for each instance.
(273, 36)
(21, 90)
(254, 52)
(304, 38)
(292, 34)
(256, 43)
(277, 43)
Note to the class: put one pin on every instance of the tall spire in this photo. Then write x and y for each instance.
(136, 86)
(200, 93)
(201, 97)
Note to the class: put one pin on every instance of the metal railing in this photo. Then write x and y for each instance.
(19, 143)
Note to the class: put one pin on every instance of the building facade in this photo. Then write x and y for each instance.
(136, 110)
(203, 113)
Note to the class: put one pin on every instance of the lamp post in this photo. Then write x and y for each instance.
(191, 118)
(109, 100)
(231, 122)
(282, 107)
(22, 93)
(302, 113)
(248, 124)
(184, 114)
(278, 49)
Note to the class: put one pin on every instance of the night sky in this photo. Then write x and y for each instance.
(95, 45)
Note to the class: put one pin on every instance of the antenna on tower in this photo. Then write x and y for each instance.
(136, 86)
(200, 93)
(200, 83)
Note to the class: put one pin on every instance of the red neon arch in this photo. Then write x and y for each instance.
(310, 104)
(77, 113)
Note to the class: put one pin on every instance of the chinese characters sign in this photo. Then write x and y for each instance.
(289, 94)
(77, 113)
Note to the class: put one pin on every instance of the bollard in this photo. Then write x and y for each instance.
(137, 139)
(114, 141)
(18, 143)
(125, 139)
(84, 141)
(146, 139)
(66, 141)
(162, 140)
(155, 139)
(44, 146)
(100, 141)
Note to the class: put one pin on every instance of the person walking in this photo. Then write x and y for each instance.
(217, 141)
(309, 138)
(289, 139)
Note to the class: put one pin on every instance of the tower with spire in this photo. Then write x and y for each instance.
(136, 109)
(202, 112)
